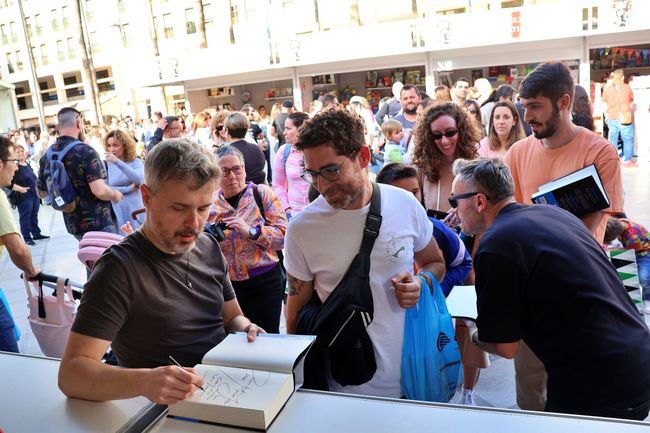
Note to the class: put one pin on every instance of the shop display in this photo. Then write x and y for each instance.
(279, 93)
(221, 91)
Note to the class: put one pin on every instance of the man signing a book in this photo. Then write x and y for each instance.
(162, 293)
(552, 286)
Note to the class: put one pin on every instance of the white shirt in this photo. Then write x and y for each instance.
(320, 244)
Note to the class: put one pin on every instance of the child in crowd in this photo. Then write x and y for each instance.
(457, 273)
(394, 133)
(633, 236)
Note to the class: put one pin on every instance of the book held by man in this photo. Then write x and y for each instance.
(580, 192)
(245, 384)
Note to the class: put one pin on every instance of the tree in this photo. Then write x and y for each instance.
(200, 18)
(88, 73)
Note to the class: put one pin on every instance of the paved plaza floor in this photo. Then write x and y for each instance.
(58, 256)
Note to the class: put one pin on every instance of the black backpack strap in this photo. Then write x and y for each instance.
(258, 201)
(373, 222)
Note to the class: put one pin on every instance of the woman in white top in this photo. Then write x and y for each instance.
(504, 130)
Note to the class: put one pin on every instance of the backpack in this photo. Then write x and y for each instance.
(59, 187)
(287, 152)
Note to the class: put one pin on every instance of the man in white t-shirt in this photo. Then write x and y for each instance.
(323, 239)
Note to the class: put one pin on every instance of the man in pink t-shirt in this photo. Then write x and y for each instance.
(556, 148)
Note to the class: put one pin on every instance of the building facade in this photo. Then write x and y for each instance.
(187, 55)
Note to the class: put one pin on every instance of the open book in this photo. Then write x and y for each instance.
(580, 192)
(246, 384)
(461, 302)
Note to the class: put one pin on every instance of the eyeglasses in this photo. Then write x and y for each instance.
(453, 200)
(449, 133)
(219, 128)
(15, 161)
(330, 174)
(235, 169)
(471, 110)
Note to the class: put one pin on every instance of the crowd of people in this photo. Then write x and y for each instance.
(246, 209)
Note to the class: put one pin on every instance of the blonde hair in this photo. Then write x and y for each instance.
(201, 120)
(125, 140)
(390, 126)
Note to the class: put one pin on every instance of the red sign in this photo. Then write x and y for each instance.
(516, 24)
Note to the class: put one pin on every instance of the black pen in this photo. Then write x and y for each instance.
(176, 362)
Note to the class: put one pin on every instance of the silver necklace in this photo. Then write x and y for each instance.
(187, 282)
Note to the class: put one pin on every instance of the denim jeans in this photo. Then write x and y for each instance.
(627, 135)
(643, 265)
(8, 341)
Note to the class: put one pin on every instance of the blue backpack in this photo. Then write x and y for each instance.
(59, 188)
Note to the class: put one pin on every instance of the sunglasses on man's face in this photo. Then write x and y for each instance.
(449, 133)
(453, 200)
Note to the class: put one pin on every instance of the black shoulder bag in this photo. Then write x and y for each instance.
(342, 344)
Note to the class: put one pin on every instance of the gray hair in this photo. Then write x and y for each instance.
(230, 150)
(181, 159)
(491, 176)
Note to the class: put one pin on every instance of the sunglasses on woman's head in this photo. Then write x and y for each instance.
(449, 133)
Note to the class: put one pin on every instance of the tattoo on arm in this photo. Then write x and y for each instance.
(296, 286)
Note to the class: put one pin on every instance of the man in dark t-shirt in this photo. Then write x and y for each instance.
(542, 278)
(163, 291)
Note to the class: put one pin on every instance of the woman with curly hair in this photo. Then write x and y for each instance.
(125, 173)
(445, 133)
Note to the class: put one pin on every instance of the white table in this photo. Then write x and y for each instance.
(31, 402)
(316, 412)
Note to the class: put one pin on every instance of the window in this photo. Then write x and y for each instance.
(19, 61)
(167, 26)
(89, 10)
(11, 66)
(125, 33)
(65, 11)
(94, 43)
(3, 30)
(37, 23)
(208, 15)
(512, 4)
(71, 51)
(37, 60)
(60, 50)
(44, 58)
(71, 90)
(190, 24)
(55, 20)
(12, 30)
(28, 26)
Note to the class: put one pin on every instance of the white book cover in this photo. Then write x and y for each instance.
(461, 302)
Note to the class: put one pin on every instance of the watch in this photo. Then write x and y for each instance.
(255, 232)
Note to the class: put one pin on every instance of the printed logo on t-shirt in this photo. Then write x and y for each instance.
(396, 248)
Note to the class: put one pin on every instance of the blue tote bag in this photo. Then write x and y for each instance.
(431, 366)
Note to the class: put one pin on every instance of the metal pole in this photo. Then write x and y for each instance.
(36, 89)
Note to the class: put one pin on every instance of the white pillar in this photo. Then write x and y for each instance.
(584, 72)
(430, 75)
(297, 91)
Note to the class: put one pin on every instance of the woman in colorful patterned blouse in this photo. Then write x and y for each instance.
(633, 236)
(252, 239)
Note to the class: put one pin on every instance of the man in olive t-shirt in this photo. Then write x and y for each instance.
(161, 292)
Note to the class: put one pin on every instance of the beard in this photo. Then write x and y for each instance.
(551, 126)
(411, 109)
(340, 196)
